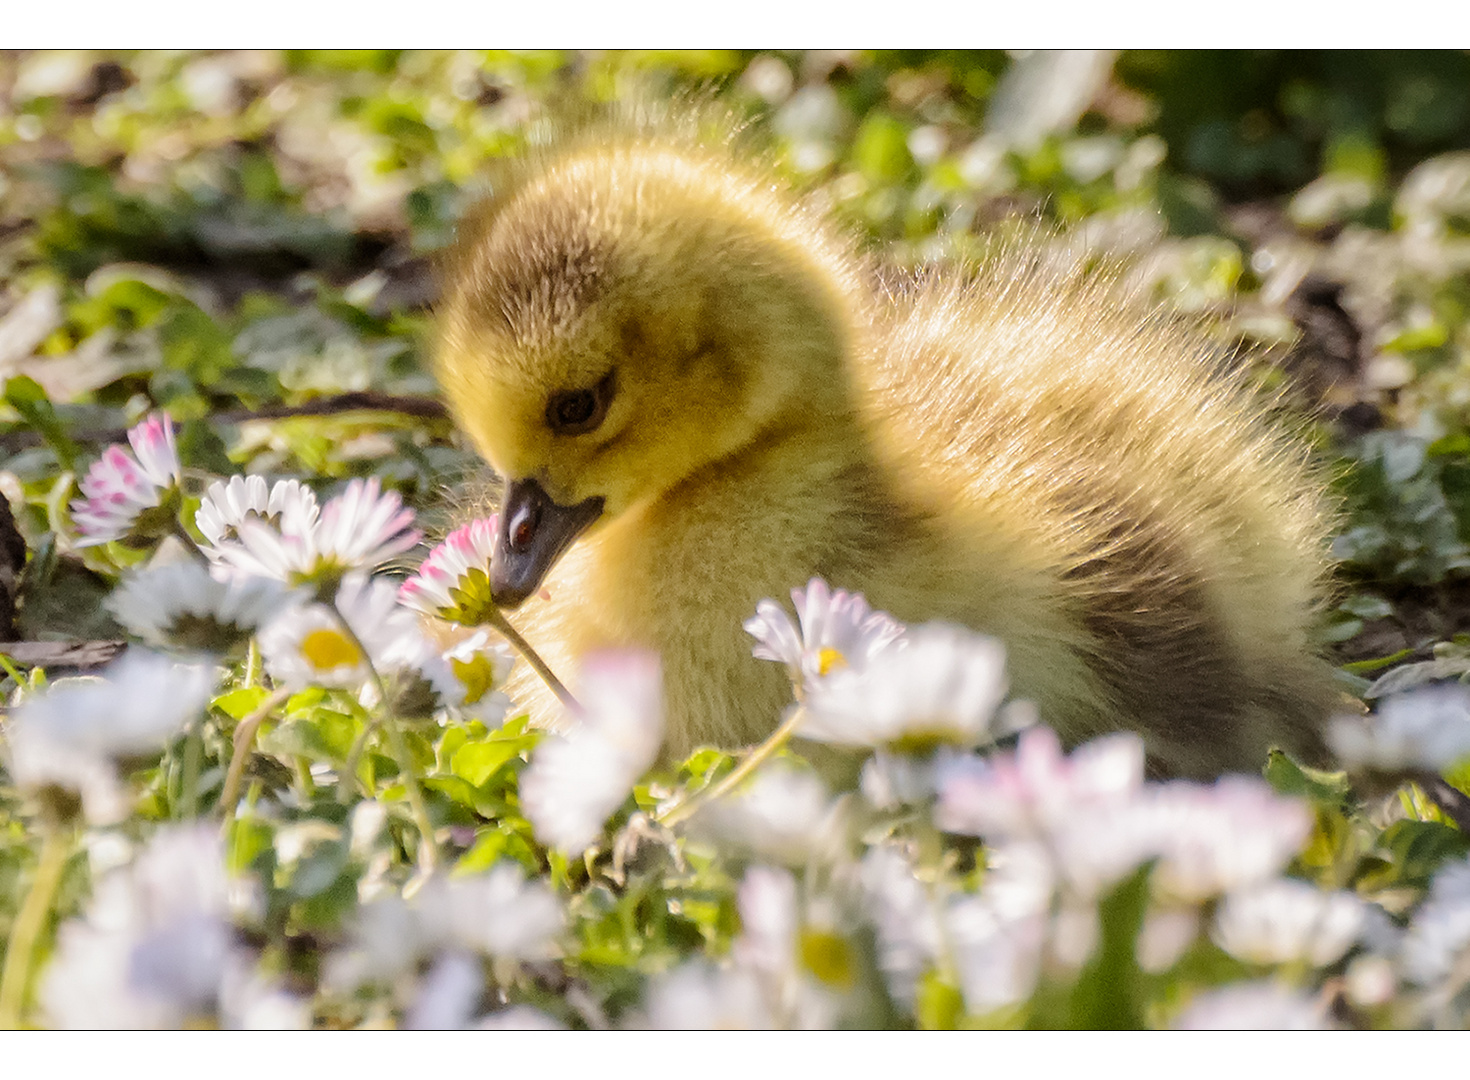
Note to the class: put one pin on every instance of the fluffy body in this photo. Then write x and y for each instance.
(1029, 452)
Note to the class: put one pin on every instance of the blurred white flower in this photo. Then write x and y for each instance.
(1440, 930)
(998, 957)
(783, 814)
(838, 630)
(155, 944)
(179, 604)
(1283, 921)
(697, 996)
(890, 781)
(1426, 728)
(766, 900)
(499, 913)
(288, 506)
(1370, 981)
(1089, 809)
(575, 781)
(1037, 789)
(775, 944)
(71, 735)
(1166, 934)
(1253, 1006)
(387, 939)
(910, 934)
(1224, 836)
(453, 582)
(360, 529)
(940, 685)
(307, 645)
(449, 995)
(120, 488)
(249, 1000)
(518, 1018)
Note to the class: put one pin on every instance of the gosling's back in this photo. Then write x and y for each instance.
(1170, 536)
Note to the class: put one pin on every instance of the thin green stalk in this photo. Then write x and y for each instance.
(429, 849)
(252, 664)
(29, 922)
(348, 779)
(429, 852)
(496, 618)
(193, 753)
(755, 759)
(190, 544)
(244, 740)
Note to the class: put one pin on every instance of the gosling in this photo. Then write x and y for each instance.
(697, 396)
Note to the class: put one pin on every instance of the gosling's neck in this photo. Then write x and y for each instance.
(805, 497)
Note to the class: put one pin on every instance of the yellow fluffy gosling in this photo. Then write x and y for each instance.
(698, 397)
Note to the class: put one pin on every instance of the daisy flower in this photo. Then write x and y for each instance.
(468, 677)
(308, 646)
(498, 913)
(1427, 728)
(942, 685)
(154, 947)
(1439, 934)
(289, 506)
(783, 813)
(501, 914)
(71, 736)
(454, 581)
(837, 630)
(133, 494)
(1288, 920)
(1227, 835)
(697, 996)
(358, 530)
(181, 604)
(1038, 789)
(1253, 1006)
(575, 781)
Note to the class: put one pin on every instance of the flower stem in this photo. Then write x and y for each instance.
(190, 544)
(685, 809)
(497, 619)
(429, 847)
(429, 852)
(29, 921)
(348, 778)
(244, 740)
(193, 752)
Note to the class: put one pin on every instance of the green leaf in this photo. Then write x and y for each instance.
(25, 396)
(239, 703)
(318, 869)
(495, 842)
(326, 736)
(1289, 778)
(476, 763)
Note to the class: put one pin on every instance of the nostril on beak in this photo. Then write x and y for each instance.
(523, 525)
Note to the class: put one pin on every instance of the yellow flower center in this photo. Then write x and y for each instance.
(828, 660)
(326, 650)
(827, 957)
(476, 675)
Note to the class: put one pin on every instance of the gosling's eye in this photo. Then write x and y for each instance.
(574, 412)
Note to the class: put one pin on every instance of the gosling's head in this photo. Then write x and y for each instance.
(622, 317)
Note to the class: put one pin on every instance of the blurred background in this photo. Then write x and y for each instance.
(247, 239)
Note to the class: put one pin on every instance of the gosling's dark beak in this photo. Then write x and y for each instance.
(534, 531)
